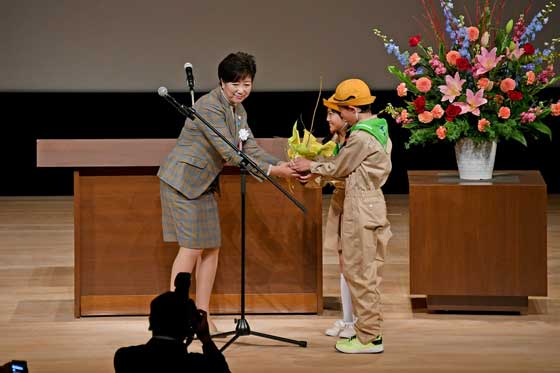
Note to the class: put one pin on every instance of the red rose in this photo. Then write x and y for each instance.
(419, 104)
(414, 40)
(515, 95)
(528, 49)
(451, 112)
(463, 64)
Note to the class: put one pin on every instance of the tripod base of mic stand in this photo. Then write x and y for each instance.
(242, 329)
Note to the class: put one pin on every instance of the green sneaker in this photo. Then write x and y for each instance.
(354, 346)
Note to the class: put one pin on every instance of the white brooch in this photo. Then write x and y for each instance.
(243, 134)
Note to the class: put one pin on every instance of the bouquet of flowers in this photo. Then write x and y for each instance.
(481, 83)
(310, 148)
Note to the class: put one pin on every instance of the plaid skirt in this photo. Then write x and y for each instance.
(193, 223)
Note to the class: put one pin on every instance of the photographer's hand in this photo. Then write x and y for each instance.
(202, 329)
(213, 355)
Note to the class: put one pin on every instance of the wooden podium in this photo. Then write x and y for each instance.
(478, 245)
(121, 261)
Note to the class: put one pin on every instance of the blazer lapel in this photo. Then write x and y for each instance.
(232, 124)
(230, 118)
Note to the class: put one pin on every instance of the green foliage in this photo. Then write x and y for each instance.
(543, 128)
(421, 136)
(403, 78)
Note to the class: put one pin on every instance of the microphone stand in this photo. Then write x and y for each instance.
(192, 97)
(242, 325)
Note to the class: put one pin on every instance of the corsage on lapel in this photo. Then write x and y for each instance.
(243, 136)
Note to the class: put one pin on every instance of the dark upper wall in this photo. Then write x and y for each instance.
(139, 45)
(27, 117)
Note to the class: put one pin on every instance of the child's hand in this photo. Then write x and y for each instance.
(304, 178)
(300, 165)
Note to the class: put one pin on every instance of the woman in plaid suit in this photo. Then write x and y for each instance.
(189, 175)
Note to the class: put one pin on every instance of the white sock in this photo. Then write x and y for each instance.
(347, 312)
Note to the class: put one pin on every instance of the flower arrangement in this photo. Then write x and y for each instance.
(481, 83)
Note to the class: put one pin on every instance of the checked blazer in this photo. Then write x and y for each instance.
(199, 154)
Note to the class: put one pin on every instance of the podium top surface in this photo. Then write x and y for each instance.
(499, 177)
(122, 152)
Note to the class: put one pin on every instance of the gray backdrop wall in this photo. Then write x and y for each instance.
(139, 45)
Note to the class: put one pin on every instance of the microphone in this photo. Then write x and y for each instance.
(190, 80)
(162, 91)
(190, 77)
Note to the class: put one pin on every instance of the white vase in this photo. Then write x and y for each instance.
(475, 160)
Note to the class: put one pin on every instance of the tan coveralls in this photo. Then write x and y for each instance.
(365, 230)
(331, 241)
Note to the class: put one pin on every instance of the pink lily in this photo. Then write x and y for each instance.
(473, 102)
(486, 61)
(452, 87)
(516, 52)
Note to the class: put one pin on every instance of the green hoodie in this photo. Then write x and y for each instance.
(377, 127)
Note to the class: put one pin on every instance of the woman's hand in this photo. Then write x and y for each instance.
(283, 170)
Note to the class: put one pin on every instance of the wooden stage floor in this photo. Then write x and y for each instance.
(37, 322)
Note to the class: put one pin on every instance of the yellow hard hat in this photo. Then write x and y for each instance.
(352, 92)
(331, 104)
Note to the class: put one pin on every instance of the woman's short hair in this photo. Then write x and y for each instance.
(237, 66)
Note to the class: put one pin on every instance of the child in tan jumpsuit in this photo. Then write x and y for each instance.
(365, 163)
(344, 327)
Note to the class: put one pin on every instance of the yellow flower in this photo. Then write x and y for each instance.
(308, 147)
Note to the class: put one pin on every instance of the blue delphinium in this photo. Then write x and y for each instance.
(463, 37)
(528, 67)
(536, 25)
(451, 22)
(392, 48)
